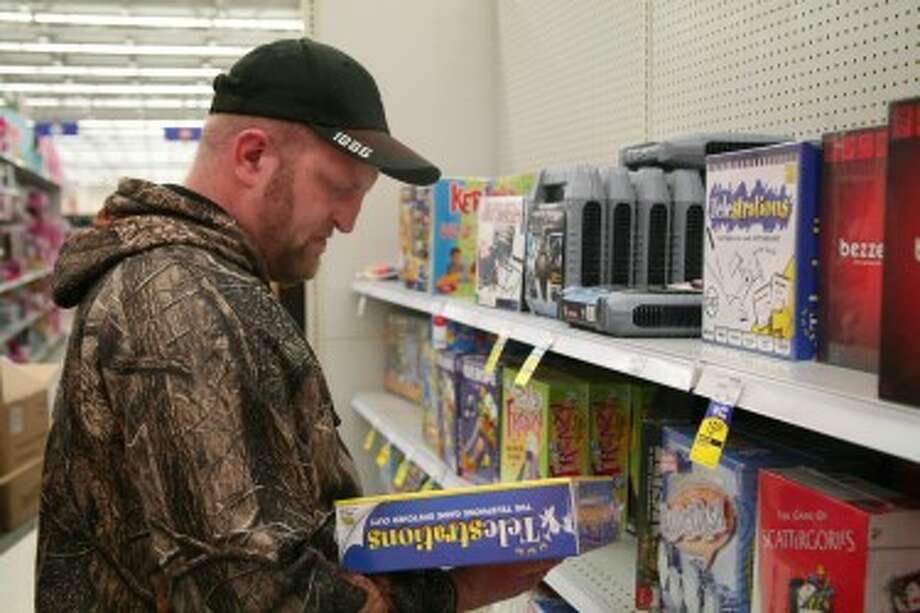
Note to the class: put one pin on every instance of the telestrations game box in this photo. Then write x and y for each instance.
(537, 520)
(899, 364)
(761, 249)
(835, 543)
(852, 247)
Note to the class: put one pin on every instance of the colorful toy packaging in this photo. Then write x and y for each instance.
(761, 249)
(500, 252)
(544, 426)
(608, 431)
(544, 272)
(447, 363)
(708, 521)
(456, 205)
(405, 336)
(538, 520)
(479, 411)
(415, 235)
(899, 365)
(852, 248)
(835, 543)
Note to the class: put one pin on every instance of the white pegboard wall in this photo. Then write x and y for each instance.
(796, 67)
(571, 82)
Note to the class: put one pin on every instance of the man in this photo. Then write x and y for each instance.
(194, 459)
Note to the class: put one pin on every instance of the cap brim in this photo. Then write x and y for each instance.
(381, 150)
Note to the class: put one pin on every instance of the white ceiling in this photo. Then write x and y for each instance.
(125, 70)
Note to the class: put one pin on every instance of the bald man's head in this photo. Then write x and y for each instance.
(221, 129)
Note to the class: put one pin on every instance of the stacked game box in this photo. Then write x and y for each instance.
(405, 337)
(544, 426)
(416, 208)
(708, 523)
(835, 543)
(491, 524)
(899, 364)
(479, 411)
(456, 204)
(761, 249)
(500, 252)
(852, 247)
(448, 381)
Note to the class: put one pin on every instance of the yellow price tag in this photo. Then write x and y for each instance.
(496, 353)
(369, 439)
(530, 365)
(427, 485)
(383, 456)
(400, 478)
(792, 173)
(712, 434)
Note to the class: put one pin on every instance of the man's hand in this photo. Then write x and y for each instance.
(478, 586)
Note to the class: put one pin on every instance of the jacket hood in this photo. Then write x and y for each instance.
(141, 216)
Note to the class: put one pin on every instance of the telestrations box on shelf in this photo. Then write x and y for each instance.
(490, 524)
(852, 247)
(835, 543)
(899, 362)
(761, 249)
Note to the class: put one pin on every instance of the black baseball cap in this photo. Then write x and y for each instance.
(308, 82)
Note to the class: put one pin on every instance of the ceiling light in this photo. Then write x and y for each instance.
(118, 103)
(143, 21)
(109, 71)
(107, 49)
(96, 88)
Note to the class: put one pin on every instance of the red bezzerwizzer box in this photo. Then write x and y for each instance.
(899, 353)
(852, 247)
(835, 543)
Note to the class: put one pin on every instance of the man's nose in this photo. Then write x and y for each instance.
(346, 216)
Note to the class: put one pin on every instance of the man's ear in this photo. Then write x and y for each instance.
(253, 159)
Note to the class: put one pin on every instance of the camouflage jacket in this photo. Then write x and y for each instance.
(194, 458)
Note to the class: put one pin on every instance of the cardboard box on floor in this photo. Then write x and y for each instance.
(23, 412)
(20, 494)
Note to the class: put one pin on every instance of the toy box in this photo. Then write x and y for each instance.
(428, 372)
(500, 252)
(447, 366)
(852, 248)
(415, 236)
(490, 524)
(544, 272)
(456, 203)
(761, 249)
(544, 426)
(835, 543)
(899, 364)
(405, 336)
(708, 522)
(479, 411)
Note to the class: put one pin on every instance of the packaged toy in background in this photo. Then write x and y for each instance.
(899, 364)
(688, 194)
(544, 600)
(761, 249)
(609, 409)
(478, 426)
(621, 226)
(852, 247)
(500, 252)
(405, 335)
(652, 242)
(708, 523)
(447, 365)
(415, 236)
(428, 374)
(544, 268)
(544, 426)
(835, 543)
(538, 520)
(513, 185)
(456, 202)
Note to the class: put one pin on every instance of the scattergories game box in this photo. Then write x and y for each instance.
(852, 247)
(835, 543)
(490, 524)
(899, 355)
(761, 249)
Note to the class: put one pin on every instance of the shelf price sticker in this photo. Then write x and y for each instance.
(401, 473)
(496, 352)
(369, 439)
(710, 438)
(383, 456)
(532, 362)
(427, 485)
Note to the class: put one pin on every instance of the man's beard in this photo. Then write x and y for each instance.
(294, 264)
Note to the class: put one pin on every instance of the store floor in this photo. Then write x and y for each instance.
(17, 575)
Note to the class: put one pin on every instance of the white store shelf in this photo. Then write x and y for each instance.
(599, 581)
(25, 279)
(839, 402)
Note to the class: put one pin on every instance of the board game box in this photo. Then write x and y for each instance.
(405, 336)
(544, 426)
(835, 543)
(852, 247)
(415, 236)
(447, 364)
(491, 524)
(708, 523)
(899, 364)
(456, 204)
(478, 420)
(500, 252)
(761, 249)
(544, 269)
